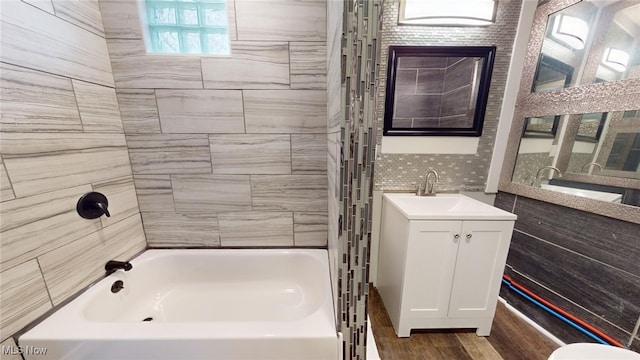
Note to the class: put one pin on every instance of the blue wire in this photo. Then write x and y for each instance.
(554, 313)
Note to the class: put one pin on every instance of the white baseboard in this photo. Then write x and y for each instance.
(526, 319)
(372, 348)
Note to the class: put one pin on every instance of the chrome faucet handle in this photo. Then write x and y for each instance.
(538, 180)
(429, 187)
(587, 166)
(419, 191)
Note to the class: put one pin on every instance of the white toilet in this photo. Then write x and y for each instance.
(589, 351)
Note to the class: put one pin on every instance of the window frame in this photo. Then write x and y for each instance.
(146, 7)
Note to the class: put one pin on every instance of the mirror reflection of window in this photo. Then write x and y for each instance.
(585, 146)
(538, 147)
(543, 127)
(625, 153)
(591, 126)
(552, 74)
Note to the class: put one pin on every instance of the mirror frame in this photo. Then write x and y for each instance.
(481, 96)
(587, 98)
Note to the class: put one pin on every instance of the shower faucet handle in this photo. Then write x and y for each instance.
(92, 205)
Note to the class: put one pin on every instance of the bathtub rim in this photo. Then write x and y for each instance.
(188, 330)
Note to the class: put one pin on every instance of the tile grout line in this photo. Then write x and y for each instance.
(75, 98)
(44, 281)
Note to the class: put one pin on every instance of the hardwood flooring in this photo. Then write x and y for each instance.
(511, 339)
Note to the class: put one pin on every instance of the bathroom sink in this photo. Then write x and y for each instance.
(592, 194)
(445, 207)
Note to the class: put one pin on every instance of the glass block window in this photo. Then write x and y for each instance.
(187, 26)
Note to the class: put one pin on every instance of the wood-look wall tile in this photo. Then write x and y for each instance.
(133, 68)
(309, 153)
(604, 290)
(42, 162)
(256, 229)
(34, 39)
(211, 193)
(252, 65)
(200, 111)
(139, 111)
(562, 330)
(84, 13)
(310, 228)
(123, 202)
(154, 192)
(250, 154)
(98, 107)
(602, 238)
(289, 192)
(75, 265)
(275, 20)
(34, 225)
(10, 344)
(125, 239)
(181, 230)
(169, 154)
(121, 19)
(308, 65)
(285, 111)
(36, 101)
(46, 5)
(505, 201)
(6, 191)
(23, 297)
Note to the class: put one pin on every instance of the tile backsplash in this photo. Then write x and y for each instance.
(228, 151)
(61, 137)
(457, 172)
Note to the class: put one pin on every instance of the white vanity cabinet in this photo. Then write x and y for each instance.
(436, 271)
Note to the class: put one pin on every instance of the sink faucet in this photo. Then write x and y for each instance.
(113, 265)
(429, 186)
(586, 166)
(537, 180)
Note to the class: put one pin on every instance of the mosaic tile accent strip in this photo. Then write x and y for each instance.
(360, 59)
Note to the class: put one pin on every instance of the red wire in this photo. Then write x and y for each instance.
(587, 326)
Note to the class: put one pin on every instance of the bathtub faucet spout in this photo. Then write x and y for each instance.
(113, 265)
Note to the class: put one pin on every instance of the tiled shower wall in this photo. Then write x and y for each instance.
(352, 193)
(335, 11)
(228, 151)
(457, 172)
(61, 137)
(583, 262)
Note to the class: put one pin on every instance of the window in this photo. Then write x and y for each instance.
(187, 26)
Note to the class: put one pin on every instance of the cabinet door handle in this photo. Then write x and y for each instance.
(456, 236)
(469, 236)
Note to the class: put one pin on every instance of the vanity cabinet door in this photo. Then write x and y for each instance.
(482, 254)
(429, 268)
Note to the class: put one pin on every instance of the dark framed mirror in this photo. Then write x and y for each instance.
(437, 91)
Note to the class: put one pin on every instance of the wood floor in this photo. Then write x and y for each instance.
(511, 339)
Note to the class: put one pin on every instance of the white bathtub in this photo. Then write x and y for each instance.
(204, 304)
